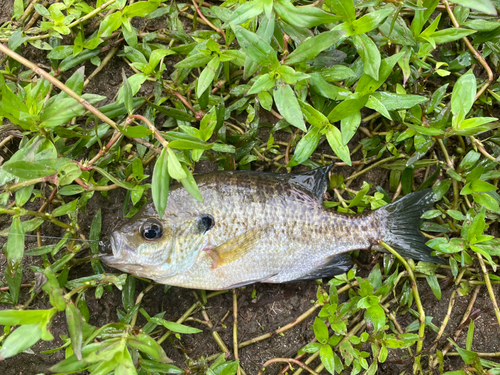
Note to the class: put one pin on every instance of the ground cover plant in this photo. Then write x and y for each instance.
(104, 104)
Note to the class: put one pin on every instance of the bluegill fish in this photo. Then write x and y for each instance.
(259, 227)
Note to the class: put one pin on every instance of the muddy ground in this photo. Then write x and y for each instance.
(274, 306)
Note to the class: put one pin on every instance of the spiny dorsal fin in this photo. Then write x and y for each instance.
(237, 247)
(314, 182)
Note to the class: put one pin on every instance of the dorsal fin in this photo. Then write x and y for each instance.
(314, 182)
(311, 184)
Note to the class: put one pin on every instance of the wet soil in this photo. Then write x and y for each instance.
(262, 311)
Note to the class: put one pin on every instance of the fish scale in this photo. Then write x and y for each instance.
(266, 228)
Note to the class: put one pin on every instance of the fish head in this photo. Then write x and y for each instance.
(150, 247)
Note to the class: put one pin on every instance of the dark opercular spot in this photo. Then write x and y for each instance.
(205, 223)
(151, 230)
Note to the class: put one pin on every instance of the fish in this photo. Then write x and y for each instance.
(260, 227)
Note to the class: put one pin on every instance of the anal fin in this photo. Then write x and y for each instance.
(334, 265)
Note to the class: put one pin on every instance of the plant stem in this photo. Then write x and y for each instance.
(418, 302)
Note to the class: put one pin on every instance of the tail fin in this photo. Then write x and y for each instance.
(402, 226)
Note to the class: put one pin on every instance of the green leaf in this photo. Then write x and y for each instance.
(135, 131)
(74, 321)
(256, 48)
(14, 249)
(450, 35)
(29, 170)
(477, 226)
(289, 75)
(72, 61)
(306, 146)
(378, 106)
(344, 8)
(111, 23)
(75, 83)
(306, 16)
(68, 173)
(127, 94)
(376, 315)
(482, 186)
(347, 108)
(147, 345)
(367, 85)
(157, 55)
(193, 61)
(95, 232)
(470, 336)
(173, 112)
(16, 317)
(349, 126)
(335, 140)
(18, 9)
(190, 184)
(14, 276)
(312, 47)
(321, 86)
(337, 73)
(176, 327)
(160, 183)
(327, 358)
(207, 76)
(128, 293)
(370, 21)
(21, 339)
(65, 209)
(135, 81)
(247, 11)
(125, 185)
(434, 284)
(475, 122)
(393, 101)
(141, 8)
(70, 190)
(60, 111)
(484, 6)
(288, 106)
(174, 166)
(264, 83)
(153, 366)
(463, 96)
(369, 53)
(320, 331)
(313, 116)
(265, 100)
(190, 145)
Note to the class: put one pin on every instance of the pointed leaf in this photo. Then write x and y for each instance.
(334, 138)
(160, 183)
(288, 106)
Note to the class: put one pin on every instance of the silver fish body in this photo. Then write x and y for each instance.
(255, 227)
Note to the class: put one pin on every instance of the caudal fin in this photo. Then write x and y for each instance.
(402, 226)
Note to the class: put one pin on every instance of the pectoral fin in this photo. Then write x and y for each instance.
(238, 246)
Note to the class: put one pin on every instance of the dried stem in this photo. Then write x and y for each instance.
(287, 360)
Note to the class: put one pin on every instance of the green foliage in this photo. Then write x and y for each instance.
(388, 85)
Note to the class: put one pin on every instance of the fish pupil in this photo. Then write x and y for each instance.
(151, 230)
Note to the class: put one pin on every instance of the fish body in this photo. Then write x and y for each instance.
(256, 227)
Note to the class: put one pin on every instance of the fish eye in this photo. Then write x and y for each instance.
(205, 223)
(151, 230)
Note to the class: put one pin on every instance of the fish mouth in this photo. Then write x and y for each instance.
(116, 251)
